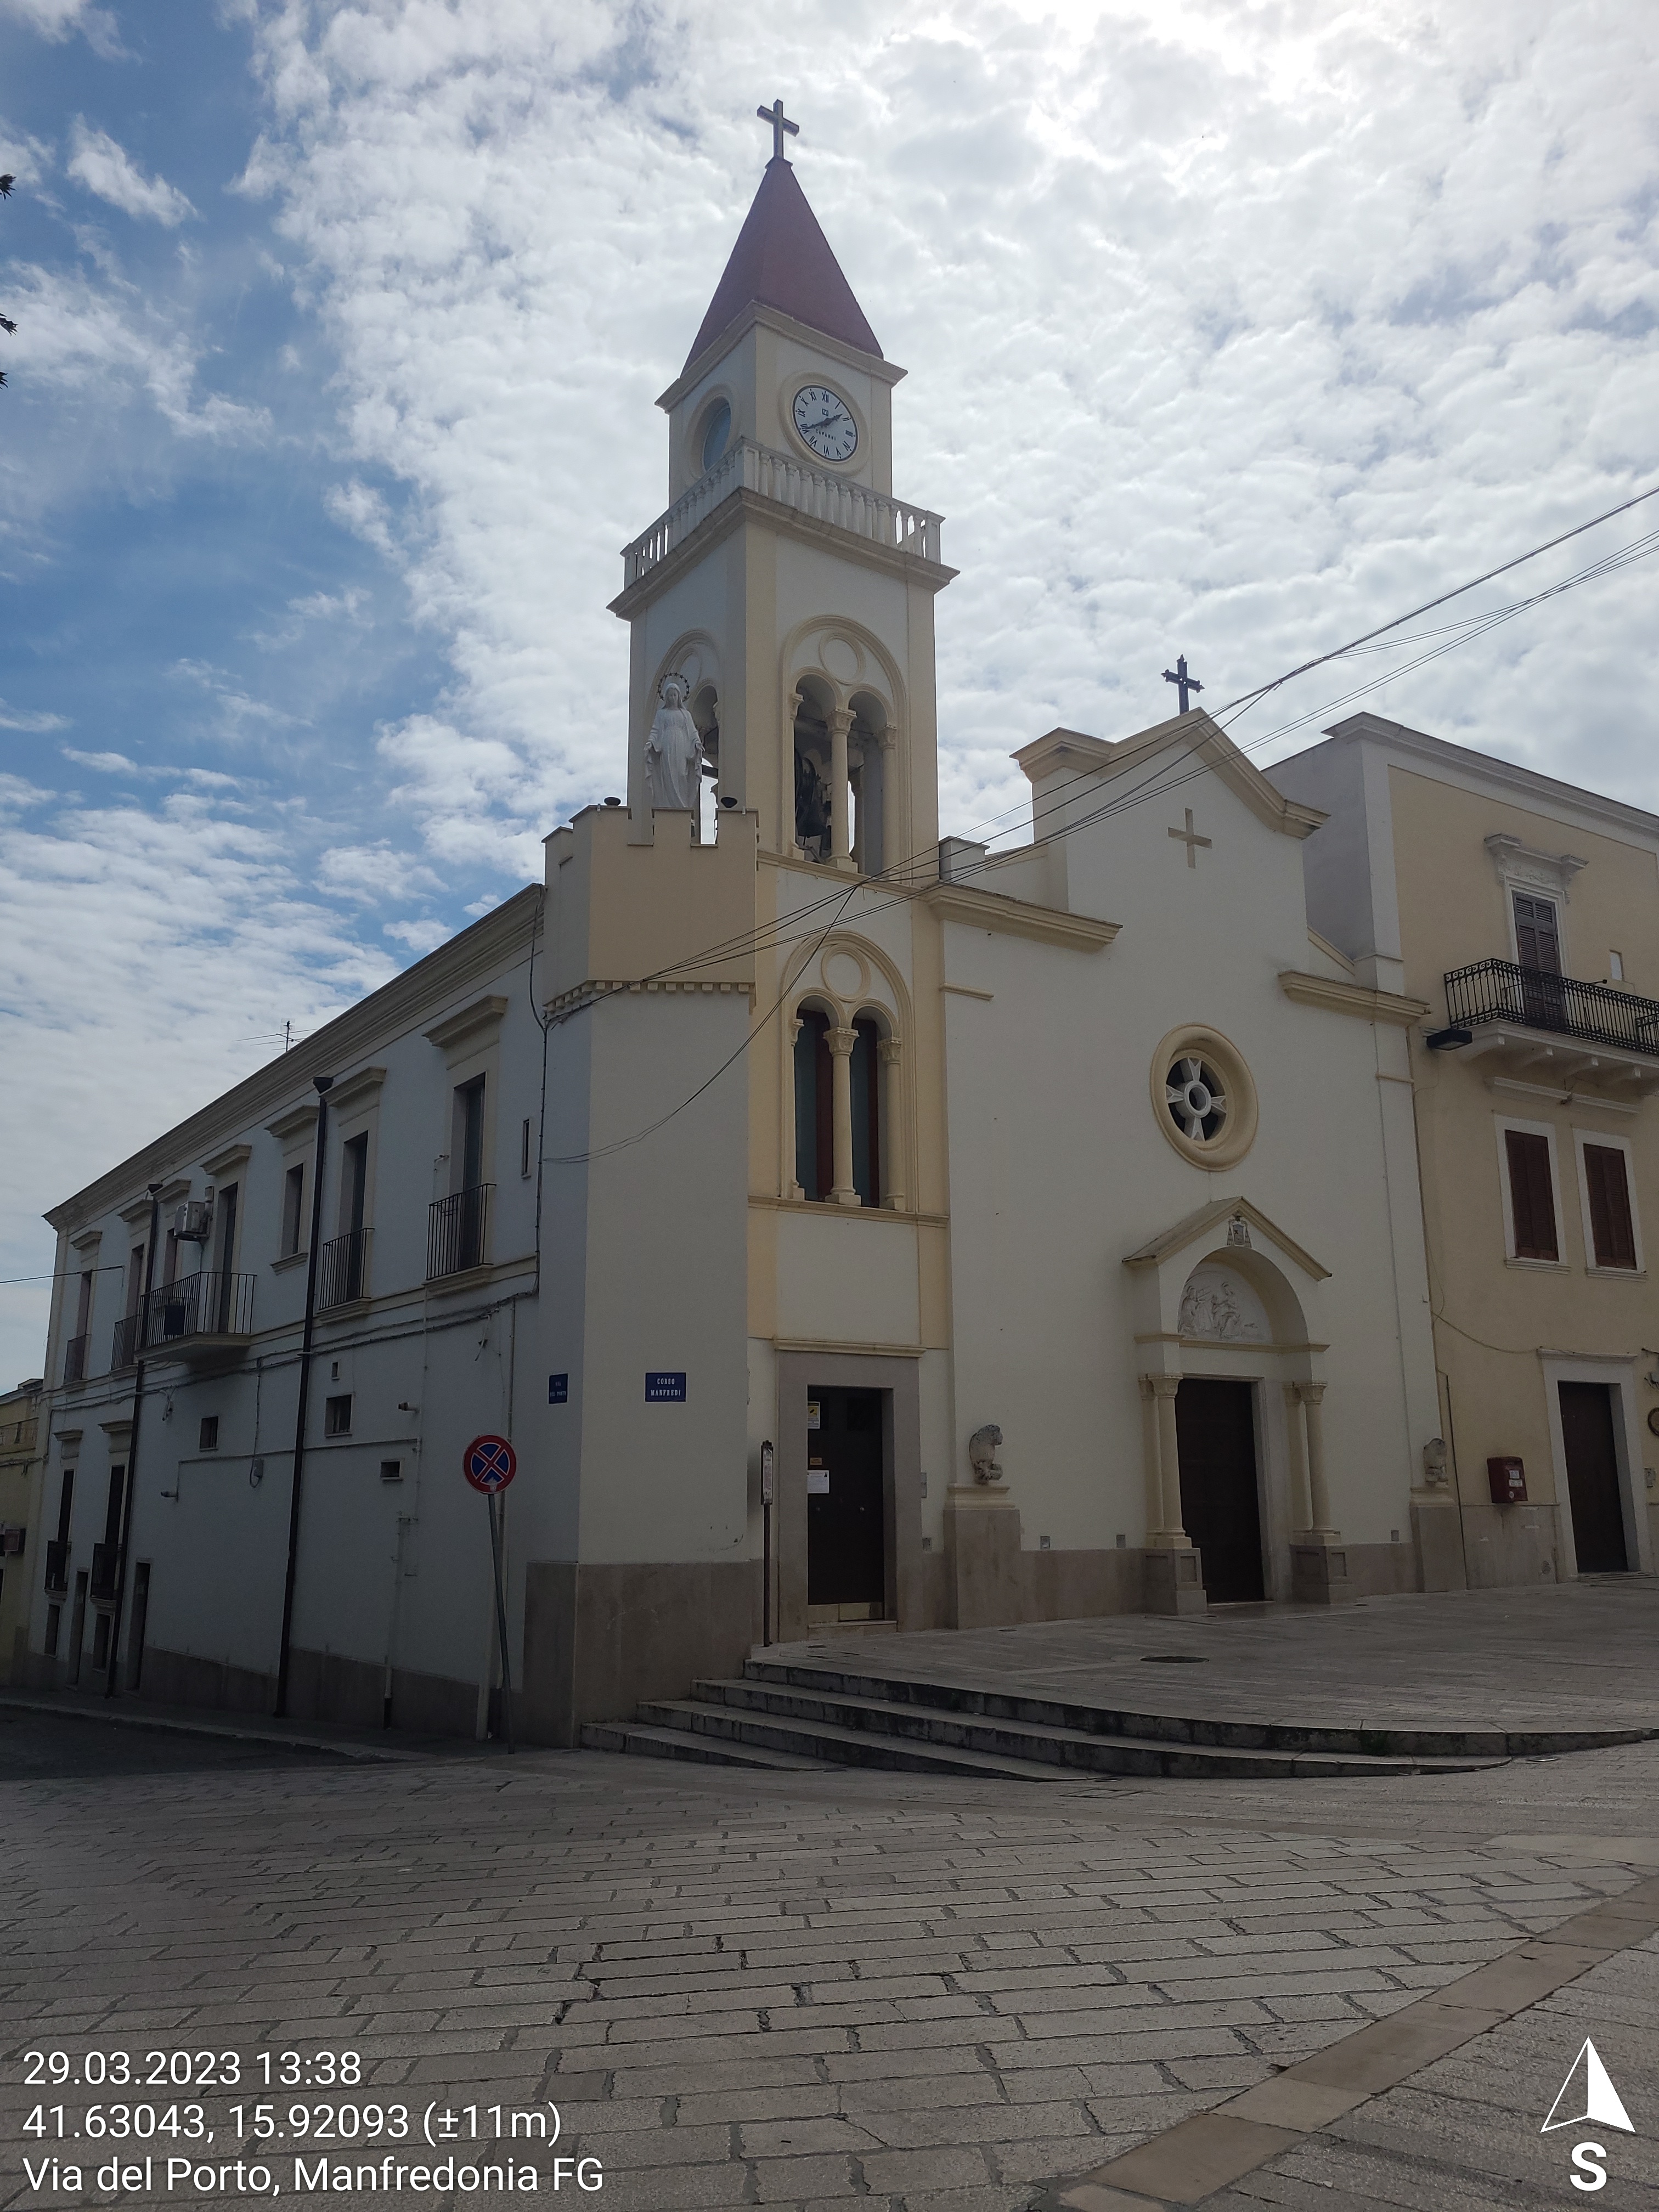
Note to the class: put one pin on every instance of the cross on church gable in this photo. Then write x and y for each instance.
(1190, 838)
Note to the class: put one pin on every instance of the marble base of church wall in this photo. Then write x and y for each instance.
(985, 1587)
(600, 1639)
(1505, 1545)
(1052, 1586)
(1437, 1541)
(1082, 1585)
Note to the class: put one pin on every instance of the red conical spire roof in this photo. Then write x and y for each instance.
(783, 260)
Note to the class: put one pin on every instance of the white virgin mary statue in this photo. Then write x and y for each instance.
(674, 756)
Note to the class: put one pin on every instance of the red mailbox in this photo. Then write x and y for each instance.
(1508, 1477)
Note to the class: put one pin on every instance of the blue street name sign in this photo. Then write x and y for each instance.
(559, 1390)
(664, 1389)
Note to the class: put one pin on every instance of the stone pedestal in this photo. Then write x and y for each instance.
(1438, 1534)
(1319, 1570)
(981, 1552)
(1174, 1581)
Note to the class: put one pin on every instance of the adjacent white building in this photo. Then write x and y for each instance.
(769, 1133)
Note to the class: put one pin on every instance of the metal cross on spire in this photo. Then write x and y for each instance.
(1177, 674)
(780, 123)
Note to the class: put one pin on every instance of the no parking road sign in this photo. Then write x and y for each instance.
(489, 1463)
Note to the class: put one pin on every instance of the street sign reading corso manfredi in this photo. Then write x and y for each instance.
(489, 1463)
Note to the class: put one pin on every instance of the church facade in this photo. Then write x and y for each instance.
(844, 1226)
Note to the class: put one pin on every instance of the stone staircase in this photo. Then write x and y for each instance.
(795, 1713)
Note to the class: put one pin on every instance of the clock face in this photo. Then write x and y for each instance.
(824, 422)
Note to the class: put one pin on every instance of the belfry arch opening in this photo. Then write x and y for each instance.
(865, 765)
(839, 770)
(815, 707)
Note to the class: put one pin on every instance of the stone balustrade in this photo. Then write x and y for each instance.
(817, 492)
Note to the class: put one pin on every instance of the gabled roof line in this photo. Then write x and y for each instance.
(1204, 739)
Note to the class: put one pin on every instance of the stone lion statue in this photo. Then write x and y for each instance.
(982, 1448)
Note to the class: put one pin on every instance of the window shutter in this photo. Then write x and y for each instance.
(1537, 939)
(1532, 1199)
(1612, 1231)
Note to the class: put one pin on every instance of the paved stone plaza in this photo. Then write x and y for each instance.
(804, 1990)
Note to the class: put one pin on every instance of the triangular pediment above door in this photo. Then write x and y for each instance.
(1199, 1228)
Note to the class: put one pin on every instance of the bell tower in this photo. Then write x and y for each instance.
(784, 585)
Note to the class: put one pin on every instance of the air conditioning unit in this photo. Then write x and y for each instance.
(193, 1222)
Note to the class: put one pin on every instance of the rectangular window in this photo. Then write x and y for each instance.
(354, 1183)
(525, 1163)
(467, 1147)
(392, 1470)
(117, 1484)
(1613, 1232)
(65, 1503)
(1532, 1195)
(294, 1191)
(336, 1415)
(208, 1437)
(814, 1091)
(1537, 936)
(135, 1278)
(1615, 967)
(83, 1304)
(224, 1230)
(54, 1620)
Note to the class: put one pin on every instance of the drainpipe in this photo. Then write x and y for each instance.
(155, 1190)
(322, 1084)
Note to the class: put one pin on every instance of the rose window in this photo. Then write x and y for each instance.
(1195, 1091)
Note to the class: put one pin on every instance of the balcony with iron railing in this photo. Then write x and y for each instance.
(58, 1556)
(74, 1359)
(194, 1314)
(1498, 1006)
(457, 1228)
(818, 493)
(342, 1269)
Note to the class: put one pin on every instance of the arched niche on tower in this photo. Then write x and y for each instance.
(695, 659)
(844, 997)
(843, 700)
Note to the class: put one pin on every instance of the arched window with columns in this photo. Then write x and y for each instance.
(815, 1169)
(842, 1074)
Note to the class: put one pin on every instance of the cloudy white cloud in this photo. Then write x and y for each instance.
(61, 19)
(106, 168)
(1226, 333)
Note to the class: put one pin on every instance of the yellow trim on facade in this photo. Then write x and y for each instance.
(1012, 917)
(1387, 1007)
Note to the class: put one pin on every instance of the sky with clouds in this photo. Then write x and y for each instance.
(1231, 330)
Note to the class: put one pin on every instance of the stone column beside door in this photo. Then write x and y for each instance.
(1318, 1561)
(1174, 1569)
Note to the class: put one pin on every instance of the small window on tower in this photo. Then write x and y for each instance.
(336, 1415)
(716, 433)
(208, 1438)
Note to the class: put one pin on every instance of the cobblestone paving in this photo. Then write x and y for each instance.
(790, 1991)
